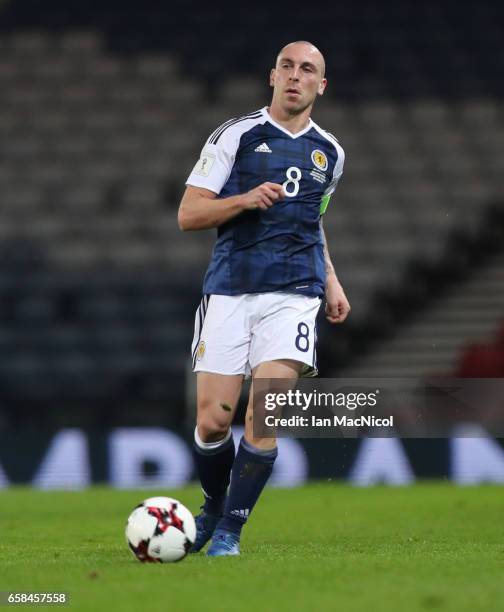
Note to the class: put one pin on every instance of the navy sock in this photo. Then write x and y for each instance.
(214, 468)
(251, 469)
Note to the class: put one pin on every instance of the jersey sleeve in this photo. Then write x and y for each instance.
(216, 161)
(337, 173)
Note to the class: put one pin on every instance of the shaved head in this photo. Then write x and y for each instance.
(316, 55)
(297, 79)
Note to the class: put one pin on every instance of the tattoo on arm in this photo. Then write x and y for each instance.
(329, 268)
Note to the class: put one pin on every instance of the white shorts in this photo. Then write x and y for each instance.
(235, 333)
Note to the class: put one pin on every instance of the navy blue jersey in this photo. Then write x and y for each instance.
(279, 249)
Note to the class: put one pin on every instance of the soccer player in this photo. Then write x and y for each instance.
(264, 181)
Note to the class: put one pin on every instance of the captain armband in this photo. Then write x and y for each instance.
(324, 203)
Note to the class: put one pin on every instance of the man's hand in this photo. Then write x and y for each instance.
(201, 209)
(263, 196)
(337, 305)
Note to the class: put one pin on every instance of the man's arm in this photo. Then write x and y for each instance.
(337, 305)
(201, 209)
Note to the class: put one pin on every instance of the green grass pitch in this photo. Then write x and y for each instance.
(325, 546)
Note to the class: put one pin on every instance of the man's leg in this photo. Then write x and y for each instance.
(252, 467)
(213, 448)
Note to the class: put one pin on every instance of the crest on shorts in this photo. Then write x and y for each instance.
(319, 159)
(200, 351)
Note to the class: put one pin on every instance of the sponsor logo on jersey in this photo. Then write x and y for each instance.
(319, 159)
(263, 148)
(201, 350)
(204, 164)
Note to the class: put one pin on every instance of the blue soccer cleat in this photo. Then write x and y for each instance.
(224, 543)
(205, 526)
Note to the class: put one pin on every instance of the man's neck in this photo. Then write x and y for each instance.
(292, 123)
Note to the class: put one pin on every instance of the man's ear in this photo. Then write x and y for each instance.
(322, 86)
(272, 77)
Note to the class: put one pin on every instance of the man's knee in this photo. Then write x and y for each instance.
(214, 419)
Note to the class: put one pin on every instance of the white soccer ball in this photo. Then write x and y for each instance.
(160, 529)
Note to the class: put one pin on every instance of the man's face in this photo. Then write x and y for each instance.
(298, 77)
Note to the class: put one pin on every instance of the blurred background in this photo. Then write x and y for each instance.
(104, 107)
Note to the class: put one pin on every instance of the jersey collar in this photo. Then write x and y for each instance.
(282, 129)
